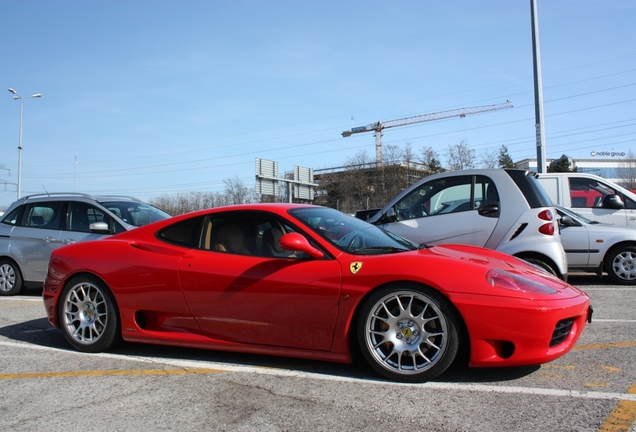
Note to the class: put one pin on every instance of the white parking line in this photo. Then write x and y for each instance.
(193, 364)
(21, 299)
(613, 320)
(608, 289)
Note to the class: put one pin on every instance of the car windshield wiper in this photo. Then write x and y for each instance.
(379, 249)
(423, 246)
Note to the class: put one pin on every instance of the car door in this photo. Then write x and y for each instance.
(79, 217)
(35, 235)
(447, 210)
(588, 197)
(576, 242)
(239, 294)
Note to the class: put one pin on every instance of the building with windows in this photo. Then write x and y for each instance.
(615, 170)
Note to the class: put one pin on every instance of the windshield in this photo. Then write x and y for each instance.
(350, 234)
(577, 217)
(135, 213)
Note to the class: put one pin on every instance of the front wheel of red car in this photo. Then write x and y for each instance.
(88, 315)
(408, 333)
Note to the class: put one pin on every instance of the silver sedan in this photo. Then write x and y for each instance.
(599, 248)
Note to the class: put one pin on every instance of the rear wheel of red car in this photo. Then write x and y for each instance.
(88, 315)
(620, 264)
(408, 333)
(10, 278)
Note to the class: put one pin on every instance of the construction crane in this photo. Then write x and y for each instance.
(378, 126)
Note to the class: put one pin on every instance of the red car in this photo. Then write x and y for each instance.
(310, 282)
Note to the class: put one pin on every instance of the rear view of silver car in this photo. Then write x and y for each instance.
(35, 225)
(502, 209)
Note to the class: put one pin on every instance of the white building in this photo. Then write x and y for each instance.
(606, 168)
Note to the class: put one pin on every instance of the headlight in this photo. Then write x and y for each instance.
(504, 279)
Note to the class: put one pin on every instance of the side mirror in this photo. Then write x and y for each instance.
(567, 221)
(99, 228)
(489, 209)
(389, 216)
(295, 242)
(613, 202)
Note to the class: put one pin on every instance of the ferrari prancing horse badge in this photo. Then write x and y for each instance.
(355, 267)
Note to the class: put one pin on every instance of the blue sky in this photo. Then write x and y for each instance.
(160, 97)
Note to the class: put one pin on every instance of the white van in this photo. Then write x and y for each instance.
(592, 196)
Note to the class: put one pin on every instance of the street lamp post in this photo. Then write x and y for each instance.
(16, 96)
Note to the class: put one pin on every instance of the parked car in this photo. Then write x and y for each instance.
(307, 281)
(591, 196)
(502, 209)
(35, 225)
(596, 247)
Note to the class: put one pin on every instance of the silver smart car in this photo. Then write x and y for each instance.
(502, 209)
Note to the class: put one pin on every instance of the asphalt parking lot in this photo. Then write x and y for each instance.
(45, 385)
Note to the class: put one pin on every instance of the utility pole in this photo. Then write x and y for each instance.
(538, 90)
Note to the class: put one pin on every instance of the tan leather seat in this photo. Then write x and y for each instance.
(229, 238)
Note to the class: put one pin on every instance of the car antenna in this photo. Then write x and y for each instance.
(47, 192)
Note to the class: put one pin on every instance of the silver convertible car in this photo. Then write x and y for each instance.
(599, 248)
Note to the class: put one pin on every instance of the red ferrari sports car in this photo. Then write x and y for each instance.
(310, 282)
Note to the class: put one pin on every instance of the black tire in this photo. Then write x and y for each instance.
(408, 333)
(620, 265)
(10, 278)
(542, 265)
(88, 315)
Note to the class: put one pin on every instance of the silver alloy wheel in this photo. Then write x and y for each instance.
(624, 265)
(85, 313)
(406, 332)
(7, 277)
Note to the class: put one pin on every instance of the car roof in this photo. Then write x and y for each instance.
(66, 196)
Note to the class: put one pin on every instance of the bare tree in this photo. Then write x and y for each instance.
(431, 161)
(392, 154)
(237, 193)
(460, 156)
(409, 161)
(190, 201)
(488, 159)
(627, 171)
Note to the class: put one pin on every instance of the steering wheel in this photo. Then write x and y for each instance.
(352, 241)
(417, 211)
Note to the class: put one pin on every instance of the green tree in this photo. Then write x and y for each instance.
(562, 164)
(505, 160)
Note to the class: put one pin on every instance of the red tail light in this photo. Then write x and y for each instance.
(546, 215)
(547, 229)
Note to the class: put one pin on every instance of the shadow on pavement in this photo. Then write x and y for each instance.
(39, 332)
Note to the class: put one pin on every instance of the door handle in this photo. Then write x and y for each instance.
(49, 239)
(69, 241)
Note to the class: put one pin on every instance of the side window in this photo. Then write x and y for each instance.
(82, 215)
(247, 233)
(186, 233)
(588, 193)
(485, 192)
(629, 203)
(46, 215)
(449, 195)
(12, 218)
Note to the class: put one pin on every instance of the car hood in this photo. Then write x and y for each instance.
(628, 233)
(487, 259)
